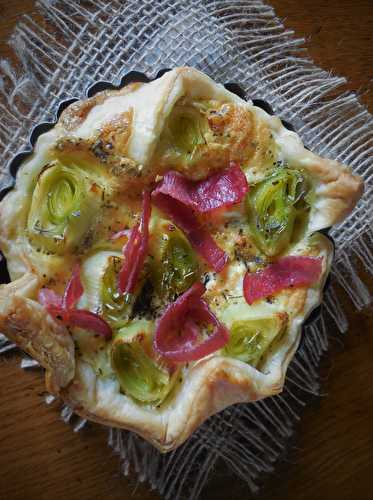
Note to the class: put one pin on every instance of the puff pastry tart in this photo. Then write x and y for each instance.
(164, 249)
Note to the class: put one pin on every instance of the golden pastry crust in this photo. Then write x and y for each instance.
(25, 322)
(132, 119)
(340, 189)
(337, 189)
(212, 385)
(75, 114)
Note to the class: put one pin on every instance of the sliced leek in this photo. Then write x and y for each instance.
(99, 274)
(64, 203)
(185, 133)
(250, 339)
(277, 209)
(174, 267)
(140, 376)
(117, 306)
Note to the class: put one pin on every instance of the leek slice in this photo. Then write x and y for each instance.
(140, 376)
(174, 266)
(100, 280)
(184, 134)
(117, 306)
(278, 208)
(64, 203)
(251, 338)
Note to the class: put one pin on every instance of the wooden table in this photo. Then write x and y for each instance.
(332, 457)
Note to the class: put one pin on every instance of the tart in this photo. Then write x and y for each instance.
(164, 248)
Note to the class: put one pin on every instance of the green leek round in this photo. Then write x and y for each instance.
(174, 267)
(277, 209)
(139, 375)
(250, 339)
(64, 202)
(116, 306)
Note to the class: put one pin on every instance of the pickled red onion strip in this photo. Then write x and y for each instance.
(49, 298)
(89, 321)
(74, 290)
(136, 249)
(287, 272)
(176, 335)
(198, 236)
(63, 308)
(222, 189)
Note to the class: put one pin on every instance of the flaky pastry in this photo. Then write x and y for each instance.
(164, 249)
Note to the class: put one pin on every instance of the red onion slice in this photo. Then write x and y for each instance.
(74, 289)
(223, 189)
(199, 237)
(121, 234)
(287, 272)
(89, 321)
(49, 298)
(52, 302)
(136, 249)
(62, 308)
(176, 335)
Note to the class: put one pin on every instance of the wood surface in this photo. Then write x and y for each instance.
(332, 454)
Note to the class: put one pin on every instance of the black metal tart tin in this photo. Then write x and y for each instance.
(131, 77)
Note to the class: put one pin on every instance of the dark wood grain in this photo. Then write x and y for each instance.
(332, 455)
(10, 12)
